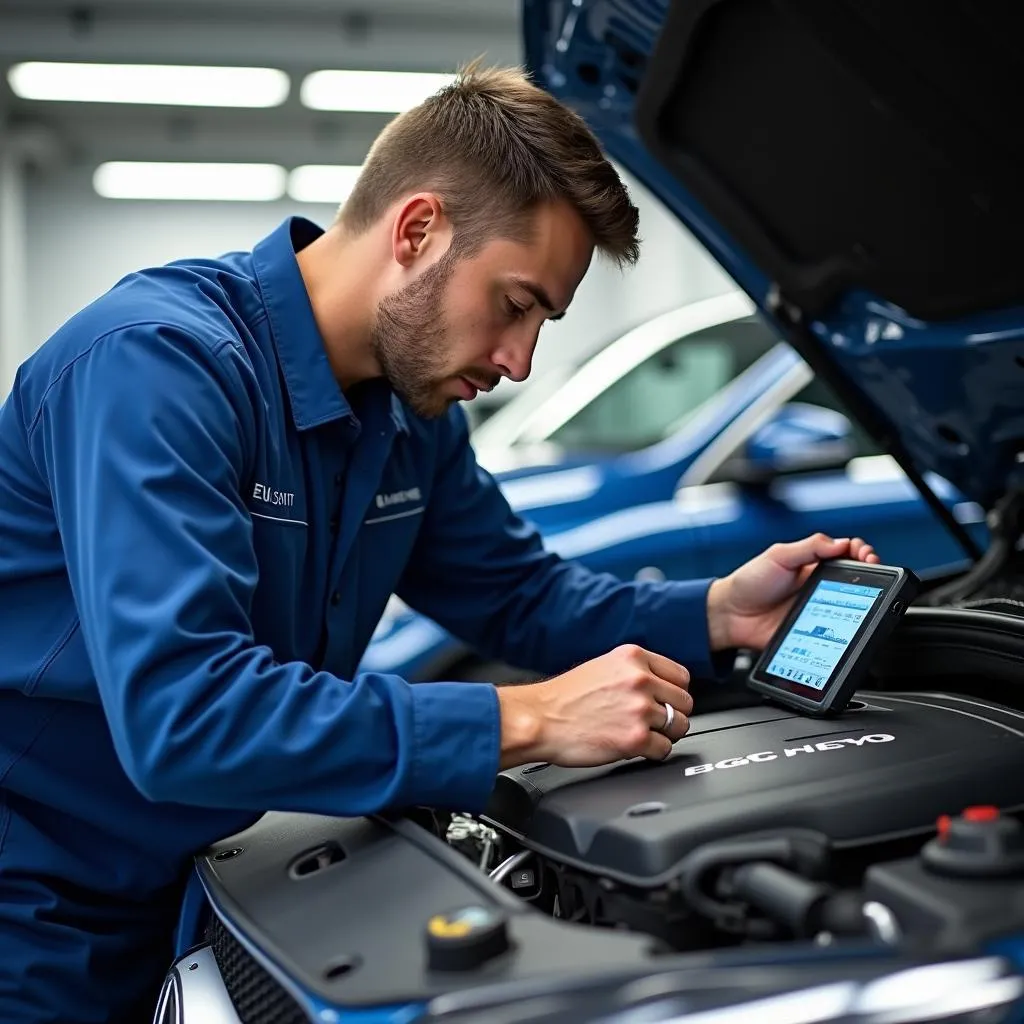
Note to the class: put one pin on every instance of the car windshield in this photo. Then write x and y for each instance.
(656, 397)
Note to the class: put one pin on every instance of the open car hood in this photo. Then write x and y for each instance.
(857, 167)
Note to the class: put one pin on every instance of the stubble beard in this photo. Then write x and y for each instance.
(410, 340)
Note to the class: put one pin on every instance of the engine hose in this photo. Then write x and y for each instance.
(782, 896)
(1006, 523)
(707, 862)
(980, 573)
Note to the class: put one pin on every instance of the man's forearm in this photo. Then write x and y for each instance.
(575, 615)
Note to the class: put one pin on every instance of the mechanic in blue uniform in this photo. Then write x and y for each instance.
(211, 480)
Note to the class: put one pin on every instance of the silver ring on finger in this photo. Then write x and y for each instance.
(670, 717)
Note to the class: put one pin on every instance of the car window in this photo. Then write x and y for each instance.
(655, 398)
(817, 392)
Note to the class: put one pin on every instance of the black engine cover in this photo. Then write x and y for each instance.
(883, 771)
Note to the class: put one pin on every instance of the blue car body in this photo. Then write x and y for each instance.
(944, 382)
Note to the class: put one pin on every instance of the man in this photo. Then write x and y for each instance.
(212, 479)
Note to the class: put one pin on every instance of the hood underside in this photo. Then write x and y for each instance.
(857, 167)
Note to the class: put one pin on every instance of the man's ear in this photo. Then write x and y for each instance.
(420, 229)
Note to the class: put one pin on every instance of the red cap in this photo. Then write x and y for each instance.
(943, 825)
(982, 812)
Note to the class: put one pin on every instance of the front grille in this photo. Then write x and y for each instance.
(257, 997)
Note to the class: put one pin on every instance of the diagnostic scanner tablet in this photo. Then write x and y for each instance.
(822, 650)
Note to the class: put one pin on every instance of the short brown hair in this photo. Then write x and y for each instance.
(494, 146)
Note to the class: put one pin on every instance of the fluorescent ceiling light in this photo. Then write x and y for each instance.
(177, 85)
(226, 182)
(385, 92)
(326, 183)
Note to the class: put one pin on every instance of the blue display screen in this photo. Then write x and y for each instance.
(818, 639)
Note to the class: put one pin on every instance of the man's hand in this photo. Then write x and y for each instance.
(747, 606)
(603, 711)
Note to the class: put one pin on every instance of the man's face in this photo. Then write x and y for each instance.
(463, 324)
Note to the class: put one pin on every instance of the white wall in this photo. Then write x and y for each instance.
(13, 272)
(78, 245)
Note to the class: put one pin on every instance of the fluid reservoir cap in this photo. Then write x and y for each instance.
(465, 938)
(983, 812)
(978, 843)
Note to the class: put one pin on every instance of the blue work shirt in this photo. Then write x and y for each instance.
(198, 534)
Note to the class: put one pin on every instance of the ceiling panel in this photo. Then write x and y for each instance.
(298, 36)
(499, 13)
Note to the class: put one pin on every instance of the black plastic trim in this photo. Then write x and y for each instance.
(349, 911)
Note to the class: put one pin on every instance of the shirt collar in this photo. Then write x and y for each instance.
(398, 414)
(312, 390)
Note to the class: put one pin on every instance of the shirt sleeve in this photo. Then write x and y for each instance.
(483, 573)
(145, 440)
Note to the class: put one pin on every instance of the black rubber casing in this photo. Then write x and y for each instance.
(899, 587)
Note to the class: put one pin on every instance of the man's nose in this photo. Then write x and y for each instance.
(515, 359)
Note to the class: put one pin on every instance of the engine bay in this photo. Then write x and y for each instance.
(890, 834)
(899, 821)
(765, 825)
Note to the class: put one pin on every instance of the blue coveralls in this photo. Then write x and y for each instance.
(192, 561)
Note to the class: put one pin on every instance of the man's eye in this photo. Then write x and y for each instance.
(514, 310)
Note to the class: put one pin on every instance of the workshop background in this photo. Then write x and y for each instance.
(62, 242)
